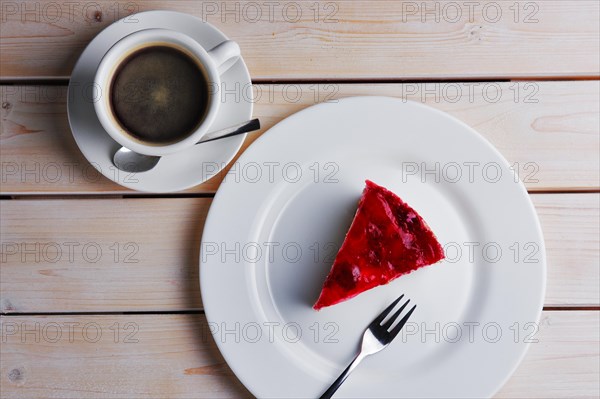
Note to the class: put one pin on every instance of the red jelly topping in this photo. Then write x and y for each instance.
(387, 239)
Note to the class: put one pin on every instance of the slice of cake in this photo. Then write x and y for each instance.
(387, 239)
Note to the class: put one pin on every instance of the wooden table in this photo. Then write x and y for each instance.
(99, 284)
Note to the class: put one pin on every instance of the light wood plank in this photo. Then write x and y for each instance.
(550, 129)
(164, 234)
(175, 356)
(111, 255)
(143, 356)
(571, 227)
(565, 363)
(345, 39)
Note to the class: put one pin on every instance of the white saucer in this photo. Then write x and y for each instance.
(174, 172)
(270, 238)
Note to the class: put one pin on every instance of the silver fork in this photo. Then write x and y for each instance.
(376, 337)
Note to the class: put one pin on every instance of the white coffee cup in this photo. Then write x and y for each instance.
(213, 62)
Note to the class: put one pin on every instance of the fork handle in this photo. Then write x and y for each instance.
(334, 387)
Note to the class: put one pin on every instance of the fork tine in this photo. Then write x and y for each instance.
(402, 322)
(387, 311)
(394, 317)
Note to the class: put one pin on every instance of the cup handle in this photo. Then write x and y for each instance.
(225, 55)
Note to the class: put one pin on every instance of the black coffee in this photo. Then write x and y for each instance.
(159, 94)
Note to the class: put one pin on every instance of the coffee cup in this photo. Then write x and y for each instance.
(157, 90)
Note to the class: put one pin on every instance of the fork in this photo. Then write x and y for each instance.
(377, 336)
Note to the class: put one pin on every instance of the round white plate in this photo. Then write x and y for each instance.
(278, 219)
(174, 172)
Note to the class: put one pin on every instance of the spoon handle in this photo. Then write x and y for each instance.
(241, 128)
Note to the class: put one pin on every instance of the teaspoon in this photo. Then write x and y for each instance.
(130, 161)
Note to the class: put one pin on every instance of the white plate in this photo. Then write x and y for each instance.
(174, 172)
(252, 278)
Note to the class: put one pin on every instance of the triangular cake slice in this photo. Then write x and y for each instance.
(387, 239)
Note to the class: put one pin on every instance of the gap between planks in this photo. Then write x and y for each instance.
(64, 81)
(201, 312)
(142, 195)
